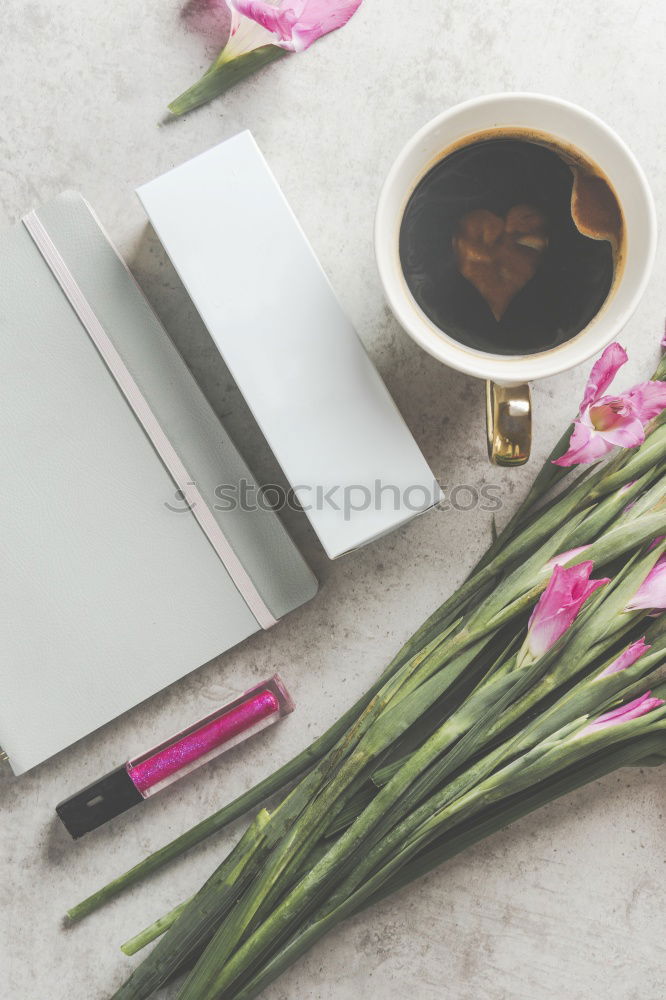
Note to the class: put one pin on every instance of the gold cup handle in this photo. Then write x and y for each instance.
(509, 423)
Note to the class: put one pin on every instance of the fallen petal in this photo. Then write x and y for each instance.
(296, 24)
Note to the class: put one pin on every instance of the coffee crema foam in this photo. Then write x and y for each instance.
(512, 242)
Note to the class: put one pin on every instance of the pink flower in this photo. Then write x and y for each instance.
(567, 591)
(261, 32)
(627, 658)
(291, 24)
(651, 595)
(625, 713)
(606, 421)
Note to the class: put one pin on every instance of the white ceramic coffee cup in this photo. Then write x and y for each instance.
(573, 126)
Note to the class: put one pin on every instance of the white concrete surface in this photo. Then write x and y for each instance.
(568, 904)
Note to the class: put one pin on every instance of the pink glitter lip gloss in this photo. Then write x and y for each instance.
(152, 771)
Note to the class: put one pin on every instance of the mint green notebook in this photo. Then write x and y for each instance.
(112, 585)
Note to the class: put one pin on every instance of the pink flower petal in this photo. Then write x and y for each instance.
(627, 658)
(625, 713)
(558, 606)
(651, 594)
(608, 411)
(626, 431)
(298, 23)
(603, 372)
(245, 35)
(585, 445)
(647, 399)
(278, 20)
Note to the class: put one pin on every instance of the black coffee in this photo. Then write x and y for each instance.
(510, 244)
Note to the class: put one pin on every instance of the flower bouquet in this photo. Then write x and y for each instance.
(538, 675)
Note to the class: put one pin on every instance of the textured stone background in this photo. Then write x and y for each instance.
(569, 903)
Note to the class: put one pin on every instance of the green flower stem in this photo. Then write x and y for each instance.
(204, 980)
(205, 911)
(623, 538)
(632, 463)
(548, 476)
(458, 801)
(489, 616)
(489, 822)
(590, 697)
(383, 732)
(224, 74)
(526, 581)
(551, 755)
(610, 510)
(215, 899)
(403, 747)
(635, 754)
(543, 761)
(651, 499)
(292, 831)
(584, 698)
(584, 643)
(155, 930)
(487, 725)
(305, 831)
(659, 373)
(445, 736)
(514, 807)
(355, 806)
(422, 774)
(513, 554)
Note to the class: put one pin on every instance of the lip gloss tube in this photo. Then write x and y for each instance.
(150, 772)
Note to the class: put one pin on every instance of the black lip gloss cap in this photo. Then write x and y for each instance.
(99, 802)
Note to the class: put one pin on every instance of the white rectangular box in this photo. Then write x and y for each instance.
(298, 361)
